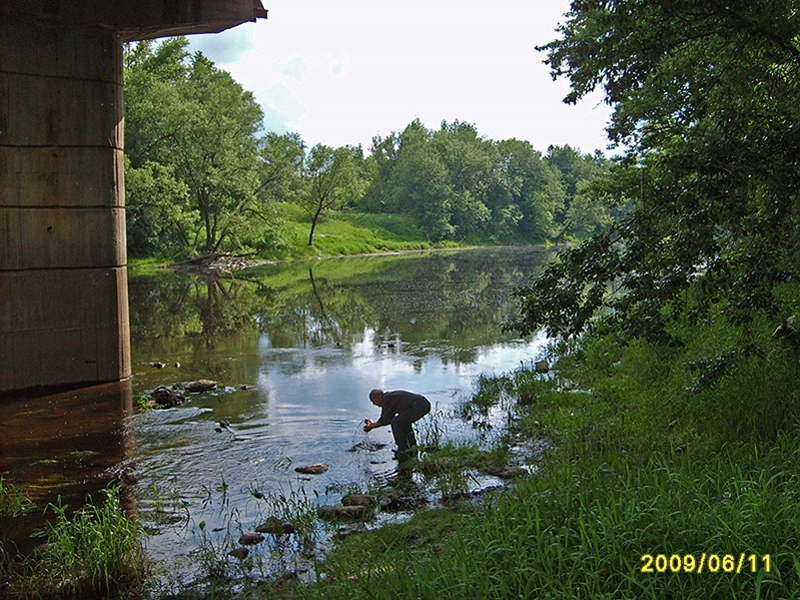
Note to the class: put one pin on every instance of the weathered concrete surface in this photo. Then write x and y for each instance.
(142, 19)
(63, 274)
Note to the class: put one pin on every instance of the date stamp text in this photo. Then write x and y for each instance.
(705, 563)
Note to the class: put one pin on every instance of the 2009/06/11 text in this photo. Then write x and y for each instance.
(709, 563)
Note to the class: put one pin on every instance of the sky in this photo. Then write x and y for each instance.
(340, 73)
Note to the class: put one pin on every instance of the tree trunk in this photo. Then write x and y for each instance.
(311, 233)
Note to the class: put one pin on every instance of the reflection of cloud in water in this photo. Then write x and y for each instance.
(313, 388)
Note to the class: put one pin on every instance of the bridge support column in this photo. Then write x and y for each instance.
(63, 277)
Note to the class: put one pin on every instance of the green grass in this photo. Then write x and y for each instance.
(13, 501)
(643, 461)
(580, 531)
(95, 552)
(345, 233)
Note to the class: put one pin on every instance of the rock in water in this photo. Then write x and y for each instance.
(358, 500)
(165, 397)
(240, 553)
(201, 385)
(334, 513)
(368, 446)
(316, 469)
(251, 538)
(275, 526)
(506, 472)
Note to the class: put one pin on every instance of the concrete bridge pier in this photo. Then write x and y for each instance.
(63, 279)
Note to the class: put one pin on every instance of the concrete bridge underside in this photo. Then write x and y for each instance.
(63, 274)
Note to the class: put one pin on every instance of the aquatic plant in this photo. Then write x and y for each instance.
(13, 501)
(95, 551)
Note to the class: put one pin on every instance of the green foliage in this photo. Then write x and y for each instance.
(704, 97)
(459, 185)
(202, 178)
(13, 501)
(332, 180)
(192, 150)
(95, 551)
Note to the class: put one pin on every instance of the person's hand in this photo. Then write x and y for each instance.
(369, 425)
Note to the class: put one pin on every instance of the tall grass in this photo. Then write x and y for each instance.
(580, 530)
(648, 459)
(13, 501)
(95, 552)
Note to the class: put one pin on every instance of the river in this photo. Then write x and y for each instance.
(294, 348)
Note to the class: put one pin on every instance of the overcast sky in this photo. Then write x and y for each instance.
(342, 72)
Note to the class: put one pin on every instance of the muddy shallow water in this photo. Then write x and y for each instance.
(295, 349)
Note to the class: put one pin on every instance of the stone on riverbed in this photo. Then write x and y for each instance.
(241, 552)
(351, 529)
(335, 513)
(358, 500)
(166, 398)
(506, 472)
(201, 385)
(315, 469)
(275, 526)
(251, 538)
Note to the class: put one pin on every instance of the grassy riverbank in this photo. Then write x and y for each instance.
(345, 233)
(649, 460)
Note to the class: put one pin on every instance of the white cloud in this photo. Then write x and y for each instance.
(282, 109)
(226, 47)
(295, 67)
(340, 73)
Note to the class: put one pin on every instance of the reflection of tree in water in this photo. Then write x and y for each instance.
(447, 304)
(202, 308)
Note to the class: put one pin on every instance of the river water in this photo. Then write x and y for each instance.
(294, 348)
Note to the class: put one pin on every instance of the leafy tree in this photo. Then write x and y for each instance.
(159, 216)
(184, 113)
(584, 212)
(280, 166)
(527, 190)
(468, 159)
(705, 100)
(383, 155)
(332, 179)
(420, 184)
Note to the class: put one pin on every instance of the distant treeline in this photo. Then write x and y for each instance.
(203, 176)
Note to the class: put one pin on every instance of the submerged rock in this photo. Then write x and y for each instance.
(358, 500)
(351, 529)
(248, 539)
(506, 472)
(275, 526)
(334, 513)
(201, 385)
(315, 469)
(240, 552)
(367, 446)
(166, 397)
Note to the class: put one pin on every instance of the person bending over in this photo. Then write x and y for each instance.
(399, 409)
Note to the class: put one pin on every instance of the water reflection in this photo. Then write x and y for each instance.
(297, 347)
(66, 445)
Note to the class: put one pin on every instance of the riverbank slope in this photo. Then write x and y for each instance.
(346, 233)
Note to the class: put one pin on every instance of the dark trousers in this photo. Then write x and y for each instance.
(401, 424)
